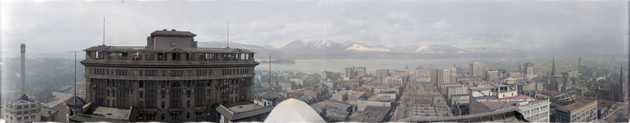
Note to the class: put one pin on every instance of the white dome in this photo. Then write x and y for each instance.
(293, 110)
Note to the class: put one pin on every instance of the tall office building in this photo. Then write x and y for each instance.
(452, 73)
(355, 72)
(447, 75)
(619, 94)
(477, 70)
(528, 71)
(170, 79)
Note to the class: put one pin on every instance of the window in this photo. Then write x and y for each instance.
(162, 93)
(136, 56)
(141, 94)
(149, 56)
(140, 84)
(99, 71)
(150, 73)
(121, 72)
(98, 55)
(202, 72)
(176, 73)
(176, 56)
(161, 57)
(188, 93)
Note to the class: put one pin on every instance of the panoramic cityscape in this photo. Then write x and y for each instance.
(314, 61)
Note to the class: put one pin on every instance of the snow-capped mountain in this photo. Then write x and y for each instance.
(365, 48)
(332, 49)
(317, 48)
(313, 45)
(439, 49)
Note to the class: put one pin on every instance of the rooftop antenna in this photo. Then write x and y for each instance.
(270, 82)
(103, 32)
(628, 91)
(75, 75)
(228, 35)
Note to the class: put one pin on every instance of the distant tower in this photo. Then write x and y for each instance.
(24, 109)
(555, 79)
(227, 33)
(579, 64)
(553, 66)
(620, 86)
(23, 67)
(628, 99)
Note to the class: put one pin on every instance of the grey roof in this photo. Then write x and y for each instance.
(75, 101)
(504, 115)
(370, 114)
(331, 104)
(243, 111)
(25, 98)
(172, 33)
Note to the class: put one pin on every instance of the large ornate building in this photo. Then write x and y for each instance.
(170, 79)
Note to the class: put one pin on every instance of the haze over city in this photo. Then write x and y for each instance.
(561, 27)
(314, 61)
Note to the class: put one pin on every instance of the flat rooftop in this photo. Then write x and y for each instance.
(143, 48)
(578, 105)
(112, 113)
(244, 108)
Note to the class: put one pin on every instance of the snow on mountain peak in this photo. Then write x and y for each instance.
(361, 48)
(439, 49)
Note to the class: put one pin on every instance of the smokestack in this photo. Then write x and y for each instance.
(23, 66)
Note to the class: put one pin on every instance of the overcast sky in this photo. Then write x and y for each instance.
(558, 26)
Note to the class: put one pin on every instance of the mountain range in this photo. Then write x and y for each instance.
(312, 49)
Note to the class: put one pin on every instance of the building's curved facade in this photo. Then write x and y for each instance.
(170, 79)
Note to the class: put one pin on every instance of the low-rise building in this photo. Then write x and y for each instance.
(22, 110)
(243, 112)
(370, 114)
(535, 110)
(505, 91)
(95, 113)
(333, 110)
(581, 110)
(378, 101)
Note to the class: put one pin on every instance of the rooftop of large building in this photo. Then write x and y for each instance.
(21, 101)
(243, 110)
(577, 106)
(94, 113)
(143, 48)
(504, 115)
(331, 104)
(370, 114)
(172, 32)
